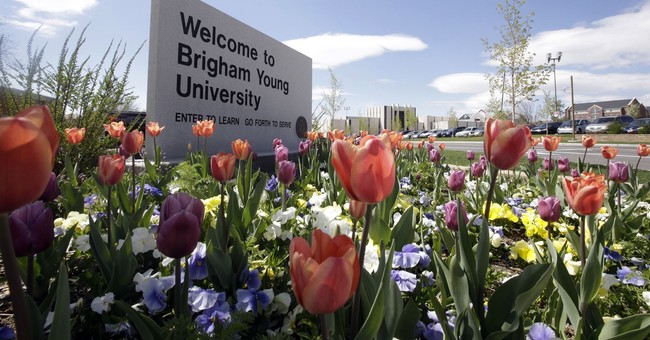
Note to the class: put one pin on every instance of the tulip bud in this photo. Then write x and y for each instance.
(585, 194)
(435, 156)
(75, 135)
(532, 155)
(110, 169)
(549, 209)
(470, 155)
(32, 228)
(241, 149)
(357, 209)
(133, 141)
(563, 164)
(477, 169)
(115, 129)
(153, 129)
(609, 152)
(575, 173)
(281, 154)
(451, 214)
(222, 166)
(618, 172)
(588, 141)
(642, 150)
(51, 190)
(181, 217)
(548, 164)
(483, 162)
(303, 147)
(286, 172)
(456, 180)
(505, 143)
(276, 142)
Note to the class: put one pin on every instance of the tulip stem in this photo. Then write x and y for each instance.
(30, 274)
(362, 252)
(132, 184)
(584, 156)
(582, 241)
(225, 232)
(636, 168)
(17, 296)
(179, 288)
(108, 217)
(324, 330)
(284, 197)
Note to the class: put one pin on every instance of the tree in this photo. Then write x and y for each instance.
(516, 79)
(453, 118)
(333, 100)
(548, 109)
(527, 112)
(633, 110)
(410, 119)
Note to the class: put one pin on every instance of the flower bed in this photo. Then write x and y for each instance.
(369, 238)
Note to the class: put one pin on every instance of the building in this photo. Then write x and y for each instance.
(433, 123)
(593, 110)
(473, 119)
(394, 117)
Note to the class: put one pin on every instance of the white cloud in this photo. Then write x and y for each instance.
(460, 83)
(335, 49)
(384, 81)
(49, 15)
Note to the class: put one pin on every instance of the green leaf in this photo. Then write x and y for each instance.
(512, 299)
(219, 267)
(376, 314)
(392, 309)
(565, 286)
(100, 251)
(147, 328)
(61, 320)
(407, 320)
(631, 327)
(36, 319)
(403, 233)
(124, 267)
(250, 211)
(593, 271)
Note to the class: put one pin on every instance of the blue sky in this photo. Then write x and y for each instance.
(423, 53)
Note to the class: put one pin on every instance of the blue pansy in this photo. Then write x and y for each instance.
(249, 300)
(201, 299)
(220, 312)
(613, 255)
(271, 184)
(540, 331)
(411, 256)
(405, 281)
(153, 295)
(198, 267)
(627, 276)
(6, 333)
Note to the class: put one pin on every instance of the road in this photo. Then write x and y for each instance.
(626, 152)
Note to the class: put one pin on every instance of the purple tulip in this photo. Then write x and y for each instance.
(575, 173)
(548, 164)
(303, 147)
(51, 190)
(181, 217)
(532, 155)
(549, 209)
(483, 162)
(435, 155)
(563, 164)
(281, 153)
(470, 155)
(456, 180)
(451, 212)
(286, 172)
(32, 228)
(477, 169)
(276, 142)
(618, 172)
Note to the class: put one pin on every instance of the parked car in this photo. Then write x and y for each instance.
(454, 131)
(478, 132)
(542, 128)
(580, 125)
(444, 133)
(467, 132)
(637, 124)
(601, 124)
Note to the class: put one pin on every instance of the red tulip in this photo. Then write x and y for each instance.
(642, 150)
(357, 209)
(28, 142)
(505, 143)
(551, 143)
(153, 129)
(75, 135)
(32, 228)
(115, 129)
(181, 217)
(223, 166)
(586, 193)
(132, 142)
(241, 149)
(609, 152)
(110, 169)
(588, 141)
(325, 275)
(367, 171)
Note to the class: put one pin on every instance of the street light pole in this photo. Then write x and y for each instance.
(550, 58)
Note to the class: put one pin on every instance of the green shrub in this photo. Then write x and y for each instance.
(615, 128)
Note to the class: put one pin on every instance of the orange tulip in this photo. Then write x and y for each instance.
(409, 146)
(363, 133)
(442, 146)
(110, 169)
(132, 142)
(432, 139)
(115, 129)
(75, 135)
(206, 127)
(223, 166)
(241, 149)
(357, 209)
(550, 143)
(395, 139)
(28, 143)
(642, 150)
(153, 129)
(586, 193)
(367, 171)
(312, 135)
(325, 275)
(609, 152)
(421, 145)
(196, 130)
(505, 143)
(335, 134)
(588, 141)
(535, 142)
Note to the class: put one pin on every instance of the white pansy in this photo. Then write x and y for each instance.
(608, 281)
(273, 230)
(283, 217)
(289, 323)
(82, 243)
(429, 223)
(103, 303)
(317, 199)
(646, 297)
(396, 217)
(322, 217)
(342, 225)
(571, 266)
(73, 220)
(324, 175)
(495, 239)
(142, 241)
(371, 259)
